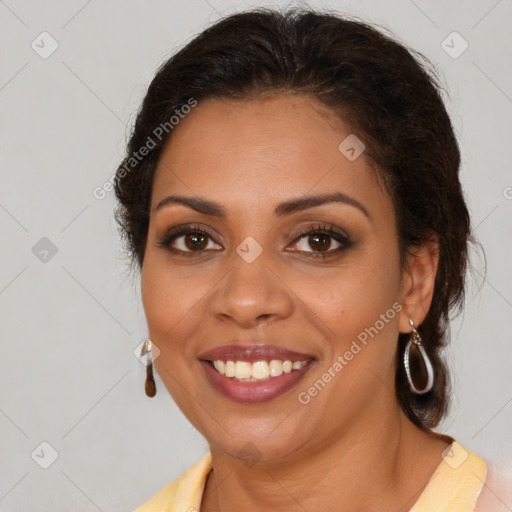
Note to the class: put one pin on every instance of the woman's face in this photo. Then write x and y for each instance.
(319, 279)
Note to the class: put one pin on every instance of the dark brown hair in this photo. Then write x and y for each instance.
(384, 91)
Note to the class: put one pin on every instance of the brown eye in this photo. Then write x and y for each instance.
(187, 240)
(322, 241)
(319, 242)
(195, 241)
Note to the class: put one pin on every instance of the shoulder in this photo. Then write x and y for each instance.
(182, 493)
(496, 495)
(456, 484)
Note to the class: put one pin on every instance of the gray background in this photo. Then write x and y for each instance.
(71, 320)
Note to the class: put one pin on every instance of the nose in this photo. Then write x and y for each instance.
(252, 294)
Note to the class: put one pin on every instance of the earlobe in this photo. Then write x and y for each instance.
(418, 283)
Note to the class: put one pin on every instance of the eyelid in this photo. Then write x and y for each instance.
(321, 227)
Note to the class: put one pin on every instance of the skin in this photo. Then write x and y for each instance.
(350, 448)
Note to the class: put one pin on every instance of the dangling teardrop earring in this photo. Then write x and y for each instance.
(150, 386)
(415, 339)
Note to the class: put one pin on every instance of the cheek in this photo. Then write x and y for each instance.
(358, 303)
(357, 312)
(353, 295)
(174, 306)
(155, 297)
(170, 318)
(167, 298)
(165, 304)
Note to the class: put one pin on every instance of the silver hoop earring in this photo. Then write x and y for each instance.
(149, 386)
(416, 340)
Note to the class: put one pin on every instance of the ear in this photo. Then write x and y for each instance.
(418, 283)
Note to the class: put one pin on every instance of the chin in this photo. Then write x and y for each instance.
(264, 441)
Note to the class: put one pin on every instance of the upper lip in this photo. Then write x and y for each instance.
(252, 353)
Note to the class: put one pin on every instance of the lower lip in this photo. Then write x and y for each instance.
(254, 392)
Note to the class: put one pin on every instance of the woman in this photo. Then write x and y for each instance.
(291, 196)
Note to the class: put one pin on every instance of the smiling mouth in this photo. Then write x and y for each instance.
(257, 371)
(255, 382)
(254, 373)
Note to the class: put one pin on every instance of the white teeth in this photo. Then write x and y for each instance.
(229, 369)
(257, 371)
(219, 366)
(276, 368)
(260, 370)
(243, 370)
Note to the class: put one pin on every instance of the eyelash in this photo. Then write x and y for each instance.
(167, 238)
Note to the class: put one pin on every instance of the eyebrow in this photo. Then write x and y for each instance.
(207, 207)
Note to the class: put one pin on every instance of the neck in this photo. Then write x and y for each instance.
(385, 466)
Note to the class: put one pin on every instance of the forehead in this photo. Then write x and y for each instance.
(253, 154)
